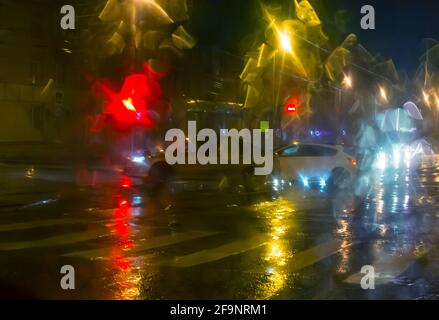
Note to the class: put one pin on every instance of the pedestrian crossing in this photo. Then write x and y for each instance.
(215, 254)
(99, 237)
(155, 243)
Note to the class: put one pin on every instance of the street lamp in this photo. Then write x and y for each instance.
(383, 94)
(347, 81)
(285, 41)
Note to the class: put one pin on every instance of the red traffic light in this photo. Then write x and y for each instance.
(292, 105)
(291, 108)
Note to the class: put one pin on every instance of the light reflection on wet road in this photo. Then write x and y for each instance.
(127, 245)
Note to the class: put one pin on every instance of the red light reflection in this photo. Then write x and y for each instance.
(126, 182)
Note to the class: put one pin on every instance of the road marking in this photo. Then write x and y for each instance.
(36, 224)
(53, 241)
(215, 254)
(153, 243)
(300, 260)
(313, 255)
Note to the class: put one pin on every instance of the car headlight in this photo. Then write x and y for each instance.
(138, 159)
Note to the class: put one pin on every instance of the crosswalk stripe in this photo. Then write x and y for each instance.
(53, 241)
(215, 254)
(153, 243)
(300, 261)
(36, 224)
(313, 255)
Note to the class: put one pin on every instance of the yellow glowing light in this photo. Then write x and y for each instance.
(285, 41)
(30, 172)
(128, 103)
(383, 94)
(426, 97)
(347, 81)
(279, 230)
(276, 251)
(436, 97)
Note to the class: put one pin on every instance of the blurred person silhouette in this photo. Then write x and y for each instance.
(367, 141)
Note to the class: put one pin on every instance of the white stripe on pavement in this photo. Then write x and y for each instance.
(153, 243)
(313, 255)
(53, 241)
(215, 254)
(37, 224)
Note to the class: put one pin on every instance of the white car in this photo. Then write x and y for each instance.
(314, 166)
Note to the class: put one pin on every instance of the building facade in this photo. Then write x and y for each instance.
(37, 77)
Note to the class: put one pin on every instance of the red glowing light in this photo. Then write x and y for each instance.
(122, 262)
(291, 105)
(131, 105)
(126, 182)
(291, 108)
(123, 203)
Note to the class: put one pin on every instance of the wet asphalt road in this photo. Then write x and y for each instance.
(126, 244)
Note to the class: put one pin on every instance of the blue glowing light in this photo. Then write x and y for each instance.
(138, 159)
(305, 182)
(137, 200)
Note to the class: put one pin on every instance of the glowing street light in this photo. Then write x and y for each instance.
(347, 81)
(383, 94)
(285, 41)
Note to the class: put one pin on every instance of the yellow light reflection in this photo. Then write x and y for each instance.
(344, 232)
(347, 81)
(30, 172)
(383, 94)
(436, 98)
(426, 97)
(278, 252)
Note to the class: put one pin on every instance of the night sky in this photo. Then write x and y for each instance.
(401, 25)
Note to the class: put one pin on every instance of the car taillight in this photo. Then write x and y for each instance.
(126, 182)
(354, 162)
